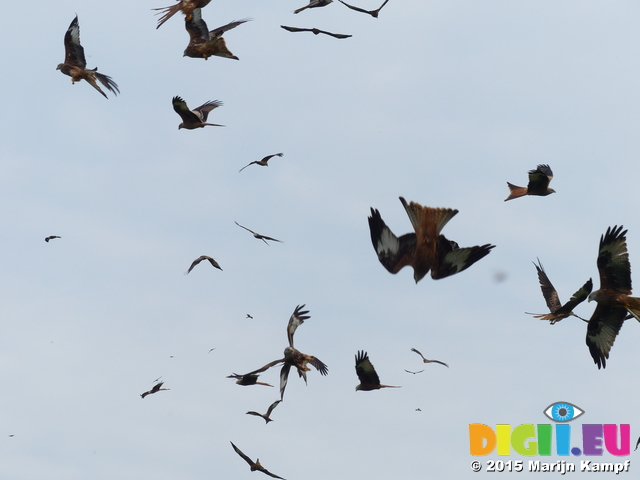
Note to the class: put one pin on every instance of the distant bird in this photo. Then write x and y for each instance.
(249, 316)
(637, 443)
(314, 4)
(254, 465)
(315, 31)
(200, 259)
(559, 311)
(187, 7)
(197, 117)
(369, 379)
(426, 249)
(156, 388)
(418, 410)
(538, 184)
(409, 371)
(429, 361)
(51, 237)
(266, 416)
(75, 64)
(248, 379)
(211, 350)
(373, 13)
(262, 162)
(204, 43)
(613, 296)
(264, 238)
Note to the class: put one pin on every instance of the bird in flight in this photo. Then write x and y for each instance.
(200, 259)
(254, 465)
(373, 13)
(248, 379)
(262, 162)
(264, 238)
(266, 416)
(51, 237)
(369, 379)
(613, 296)
(538, 184)
(315, 31)
(156, 388)
(426, 249)
(187, 7)
(75, 64)
(197, 117)
(204, 43)
(314, 4)
(559, 311)
(429, 361)
(409, 371)
(249, 316)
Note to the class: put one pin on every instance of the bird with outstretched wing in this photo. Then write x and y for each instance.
(373, 13)
(204, 43)
(367, 375)
(197, 117)
(538, 184)
(315, 31)
(255, 466)
(200, 259)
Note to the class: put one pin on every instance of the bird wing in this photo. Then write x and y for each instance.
(336, 35)
(393, 253)
(365, 371)
(246, 167)
(264, 237)
(296, 319)
(197, 28)
(156, 387)
(452, 259)
(576, 299)
(319, 365)
(272, 406)
(357, 9)
(247, 229)
(603, 327)
(203, 110)
(295, 29)
(216, 33)
(74, 53)
(213, 262)
(284, 376)
(195, 262)
(539, 179)
(613, 261)
(548, 291)
(414, 350)
(266, 367)
(181, 108)
(268, 157)
(239, 452)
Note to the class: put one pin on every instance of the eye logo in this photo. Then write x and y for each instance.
(562, 412)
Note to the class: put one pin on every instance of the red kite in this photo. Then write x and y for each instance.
(538, 184)
(373, 13)
(264, 238)
(51, 237)
(315, 31)
(369, 379)
(197, 117)
(559, 311)
(314, 4)
(426, 249)
(200, 259)
(187, 7)
(156, 388)
(248, 379)
(254, 465)
(613, 296)
(266, 416)
(429, 361)
(262, 162)
(204, 43)
(75, 64)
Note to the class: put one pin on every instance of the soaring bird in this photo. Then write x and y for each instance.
(204, 43)
(373, 13)
(414, 373)
(559, 311)
(266, 416)
(248, 379)
(75, 64)
(264, 238)
(262, 162)
(429, 361)
(426, 249)
(156, 388)
(187, 7)
(254, 465)
(197, 117)
(538, 184)
(315, 31)
(369, 379)
(613, 296)
(314, 4)
(200, 259)
(51, 237)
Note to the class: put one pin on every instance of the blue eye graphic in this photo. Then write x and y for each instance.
(562, 412)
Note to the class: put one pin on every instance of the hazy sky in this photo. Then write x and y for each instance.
(441, 102)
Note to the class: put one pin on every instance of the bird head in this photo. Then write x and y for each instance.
(59, 67)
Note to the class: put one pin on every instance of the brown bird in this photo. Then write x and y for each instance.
(187, 7)
(373, 13)
(314, 4)
(200, 259)
(248, 379)
(429, 361)
(264, 238)
(613, 296)
(369, 379)
(262, 162)
(315, 31)
(426, 249)
(266, 416)
(197, 117)
(538, 184)
(254, 465)
(51, 237)
(559, 311)
(75, 64)
(156, 388)
(204, 43)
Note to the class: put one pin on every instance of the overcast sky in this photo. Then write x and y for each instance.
(441, 102)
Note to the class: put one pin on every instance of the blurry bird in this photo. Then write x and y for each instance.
(197, 117)
(538, 184)
(51, 238)
(373, 13)
(426, 249)
(249, 316)
(409, 371)
(187, 7)
(315, 31)
(314, 4)
(200, 259)
(254, 465)
(264, 238)
(266, 416)
(156, 388)
(369, 379)
(75, 64)
(637, 443)
(204, 43)
(429, 361)
(262, 162)
(248, 379)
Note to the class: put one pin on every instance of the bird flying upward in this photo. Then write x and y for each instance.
(373, 13)
(314, 4)
(200, 259)
(369, 379)
(204, 43)
(262, 162)
(266, 416)
(51, 237)
(538, 184)
(264, 238)
(75, 64)
(424, 360)
(315, 31)
(155, 389)
(187, 7)
(254, 465)
(426, 249)
(197, 117)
